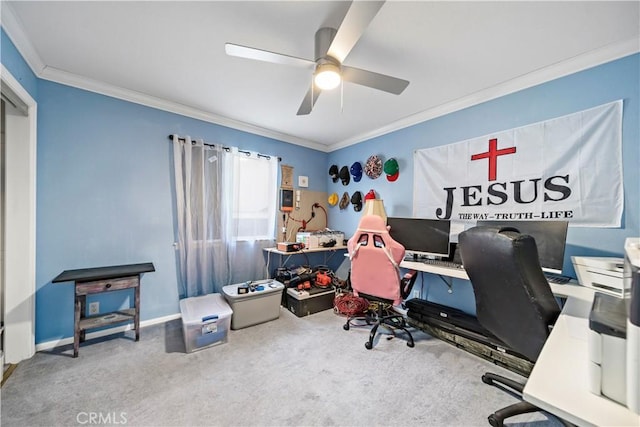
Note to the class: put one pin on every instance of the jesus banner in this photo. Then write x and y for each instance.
(567, 168)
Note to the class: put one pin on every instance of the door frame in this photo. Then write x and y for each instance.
(19, 226)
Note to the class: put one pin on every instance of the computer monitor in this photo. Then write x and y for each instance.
(550, 237)
(421, 237)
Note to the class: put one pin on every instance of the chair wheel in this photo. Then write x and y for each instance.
(410, 344)
(487, 380)
(345, 326)
(494, 422)
(368, 345)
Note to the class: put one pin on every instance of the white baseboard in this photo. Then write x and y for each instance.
(66, 341)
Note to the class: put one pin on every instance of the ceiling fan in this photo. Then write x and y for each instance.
(331, 48)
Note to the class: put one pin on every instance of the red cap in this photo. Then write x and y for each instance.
(393, 177)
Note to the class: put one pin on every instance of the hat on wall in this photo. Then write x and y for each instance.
(370, 195)
(344, 175)
(333, 172)
(373, 167)
(356, 171)
(356, 201)
(333, 199)
(391, 169)
(344, 201)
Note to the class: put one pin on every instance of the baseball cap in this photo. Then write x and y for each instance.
(356, 201)
(373, 167)
(391, 169)
(370, 195)
(333, 199)
(344, 175)
(344, 201)
(356, 171)
(333, 172)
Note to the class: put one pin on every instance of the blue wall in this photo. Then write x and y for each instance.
(105, 195)
(580, 91)
(105, 190)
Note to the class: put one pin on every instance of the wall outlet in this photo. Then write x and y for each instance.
(94, 308)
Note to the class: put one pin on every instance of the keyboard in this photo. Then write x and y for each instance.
(556, 278)
(441, 263)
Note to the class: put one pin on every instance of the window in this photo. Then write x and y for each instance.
(230, 196)
(255, 195)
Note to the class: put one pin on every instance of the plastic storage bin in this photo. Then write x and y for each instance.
(314, 300)
(259, 305)
(205, 321)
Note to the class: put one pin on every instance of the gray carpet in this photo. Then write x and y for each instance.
(288, 372)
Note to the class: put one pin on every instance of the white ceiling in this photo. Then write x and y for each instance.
(170, 54)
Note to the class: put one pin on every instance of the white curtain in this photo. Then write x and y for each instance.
(226, 215)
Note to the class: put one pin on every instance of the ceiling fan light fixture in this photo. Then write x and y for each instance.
(327, 76)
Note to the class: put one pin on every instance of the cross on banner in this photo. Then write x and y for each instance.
(492, 155)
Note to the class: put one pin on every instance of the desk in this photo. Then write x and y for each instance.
(559, 380)
(569, 289)
(332, 250)
(458, 273)
(103, 279)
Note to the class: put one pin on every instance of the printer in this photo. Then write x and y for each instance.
(608, 347)
(614, 334)
(603, 274)
(632, 281)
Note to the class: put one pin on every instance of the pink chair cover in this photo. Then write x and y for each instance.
(374, 260)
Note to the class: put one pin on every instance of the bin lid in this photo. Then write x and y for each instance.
(204, 308)
(262, 287)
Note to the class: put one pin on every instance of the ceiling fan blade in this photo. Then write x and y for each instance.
(374, 80)
(357, 19)
(309, 101)
(265, 55)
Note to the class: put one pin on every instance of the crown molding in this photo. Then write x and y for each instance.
(74, 80)
(13, 27)
(573, 65)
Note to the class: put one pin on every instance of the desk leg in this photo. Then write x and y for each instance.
(76, 328)
(136, 318)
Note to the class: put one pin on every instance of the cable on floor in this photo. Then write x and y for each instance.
(347, 304)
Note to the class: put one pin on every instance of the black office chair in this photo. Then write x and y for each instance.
(513, 298)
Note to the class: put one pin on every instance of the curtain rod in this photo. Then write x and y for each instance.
(248, 153)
